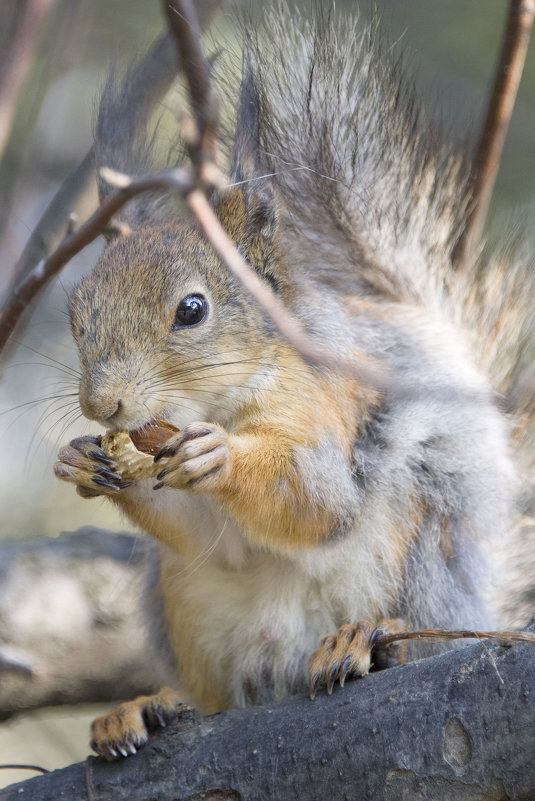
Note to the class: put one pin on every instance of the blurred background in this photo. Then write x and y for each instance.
(451, 47)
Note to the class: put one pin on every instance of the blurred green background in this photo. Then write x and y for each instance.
(451, 47)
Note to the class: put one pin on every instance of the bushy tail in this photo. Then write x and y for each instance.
(376, 198)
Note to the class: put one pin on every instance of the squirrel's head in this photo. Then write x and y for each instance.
(164, 330)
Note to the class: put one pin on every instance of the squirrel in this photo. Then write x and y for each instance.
(300, 509)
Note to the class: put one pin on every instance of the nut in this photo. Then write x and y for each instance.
(150, 439)
(133, 452)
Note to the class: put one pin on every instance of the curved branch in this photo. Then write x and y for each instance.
(22, 295)
(48, 250)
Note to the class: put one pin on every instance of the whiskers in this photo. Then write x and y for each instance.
(50, 413)
(198, 561)
(218, 383)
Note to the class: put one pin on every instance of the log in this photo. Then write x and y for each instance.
(458, 726)
(66, 599)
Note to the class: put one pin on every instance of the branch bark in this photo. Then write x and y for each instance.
(66, 599)
(499, 111)
(459, 726)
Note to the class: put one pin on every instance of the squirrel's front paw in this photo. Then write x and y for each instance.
(350, 652)
(126, 728)
(84, 463)
(198, 459)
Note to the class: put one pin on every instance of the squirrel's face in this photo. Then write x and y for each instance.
(164, 331)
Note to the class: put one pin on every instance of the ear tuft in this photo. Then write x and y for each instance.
(248, 162)
(250, 210)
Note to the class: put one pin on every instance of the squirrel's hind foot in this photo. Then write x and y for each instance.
(126, 728)
(350, 651)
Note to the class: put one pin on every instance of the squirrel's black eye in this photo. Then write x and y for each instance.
(191, 310)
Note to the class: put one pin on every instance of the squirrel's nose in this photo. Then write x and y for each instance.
(103, 408)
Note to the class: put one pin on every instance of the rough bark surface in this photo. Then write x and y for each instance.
(456, 727)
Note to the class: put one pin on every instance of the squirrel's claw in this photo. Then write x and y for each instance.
(348, 650)
(313, 683)
(99, 456)
(124, 730)
(349, 653)
(198, 459)
(84, 463)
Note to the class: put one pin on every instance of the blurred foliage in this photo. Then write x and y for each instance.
(454, 45)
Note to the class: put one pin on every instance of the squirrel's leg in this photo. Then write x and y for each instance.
(351, 652)
(127, 727)
(84, 463)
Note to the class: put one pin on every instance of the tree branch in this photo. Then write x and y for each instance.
(456, 727)
(23, 294)
(50, 246)
(17, 58)
(184, 26)
(107, 582)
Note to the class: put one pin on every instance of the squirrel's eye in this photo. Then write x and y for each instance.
(192, 310)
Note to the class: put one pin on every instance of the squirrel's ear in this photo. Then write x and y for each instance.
(251, 221)
(249, 209)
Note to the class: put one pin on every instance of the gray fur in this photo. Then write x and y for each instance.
(367, 203)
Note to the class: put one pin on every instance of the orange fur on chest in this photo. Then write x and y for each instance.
(267, 491)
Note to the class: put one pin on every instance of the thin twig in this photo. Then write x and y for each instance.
(17, 58)
(37, 768)
(154, 76)
(444, 635)
(184, 26)
(500, 108)
(45, 252)
(48, 250)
